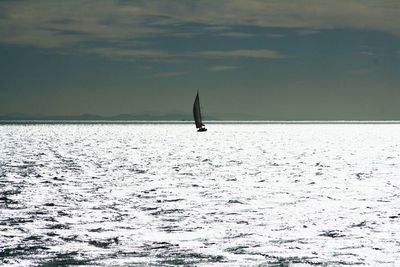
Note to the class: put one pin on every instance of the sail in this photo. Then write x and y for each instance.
(196, 112)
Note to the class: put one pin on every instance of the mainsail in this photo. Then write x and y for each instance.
(196, 112)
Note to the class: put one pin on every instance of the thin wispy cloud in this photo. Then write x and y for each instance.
(306, 32)
(129, 54)
(236, 34)
(260, 53)
(136, 54)
(222, 68)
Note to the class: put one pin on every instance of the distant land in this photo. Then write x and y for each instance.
(93, 117)
(131, 117)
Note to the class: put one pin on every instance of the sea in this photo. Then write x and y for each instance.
(162, 194)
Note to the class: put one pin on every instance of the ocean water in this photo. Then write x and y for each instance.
(165, 195)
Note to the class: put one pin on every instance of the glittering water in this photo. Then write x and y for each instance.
(237, 195)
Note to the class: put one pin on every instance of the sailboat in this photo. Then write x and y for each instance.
(197, 114)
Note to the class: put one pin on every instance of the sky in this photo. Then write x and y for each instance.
(249, 59)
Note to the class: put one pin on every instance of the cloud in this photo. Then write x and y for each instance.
(236, 34)
(305, 32)
(129, 54)
(260, 53)
(51, 24)
(222, 68)
(312, 14)
(99, 24)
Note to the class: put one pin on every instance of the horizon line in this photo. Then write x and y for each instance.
(5, 122)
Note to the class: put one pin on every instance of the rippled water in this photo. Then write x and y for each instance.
(237, 195)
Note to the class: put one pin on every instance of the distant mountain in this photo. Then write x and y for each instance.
(92, 117)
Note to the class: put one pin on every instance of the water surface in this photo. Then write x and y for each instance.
(165, 195)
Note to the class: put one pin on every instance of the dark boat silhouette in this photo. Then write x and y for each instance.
(197, 114)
